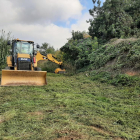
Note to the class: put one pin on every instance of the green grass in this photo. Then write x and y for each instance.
(70, 107)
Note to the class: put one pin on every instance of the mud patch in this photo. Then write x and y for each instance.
(1, 119)
(101, 130)
(132, 73)
(69, 135)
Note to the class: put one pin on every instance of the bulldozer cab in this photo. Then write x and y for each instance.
(22, 50)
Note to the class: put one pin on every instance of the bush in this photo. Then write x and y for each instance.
(48, 66)
(70, 69)
(118, 79)
(123, 80)
(77, 51)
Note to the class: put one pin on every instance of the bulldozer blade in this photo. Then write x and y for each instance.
(22, 77)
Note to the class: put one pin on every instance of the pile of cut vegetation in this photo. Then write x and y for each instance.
(125, 54)
(116, 61)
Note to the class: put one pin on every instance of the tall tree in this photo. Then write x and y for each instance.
(76, 51)
(4, 48)
(110, 20)
(77, 35)
(133, 9)
(46, 48)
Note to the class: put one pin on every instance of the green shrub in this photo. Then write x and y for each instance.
(70, 69)
(118, 79)
(77, 51)
(49, 66)
(123, 80)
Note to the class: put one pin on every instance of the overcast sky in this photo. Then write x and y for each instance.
(42, 21)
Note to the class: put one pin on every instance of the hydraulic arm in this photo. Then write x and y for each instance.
(52, 59)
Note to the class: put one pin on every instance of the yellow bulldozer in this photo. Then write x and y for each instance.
(22, 65)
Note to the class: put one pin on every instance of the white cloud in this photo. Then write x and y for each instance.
(52, 34)
(40, 11)
(7, 13)
(81, 24)
(35, 20)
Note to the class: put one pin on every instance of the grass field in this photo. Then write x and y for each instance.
(69, 108)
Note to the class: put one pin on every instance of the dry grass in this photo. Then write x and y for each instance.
(116, 41)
